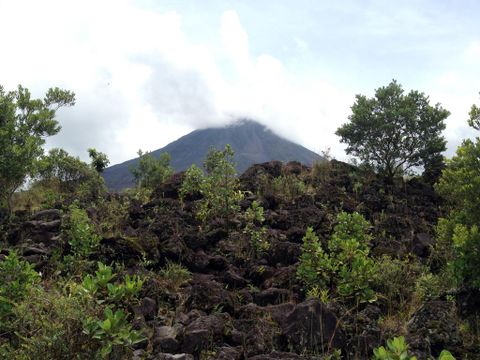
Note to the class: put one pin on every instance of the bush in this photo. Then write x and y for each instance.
(150, 171)
(396, 281)
(219, 187)
(347, 264)
(397, 349)
(315, 268)
(349, 250)
(17, 277)
(258, 242)
(80, 233)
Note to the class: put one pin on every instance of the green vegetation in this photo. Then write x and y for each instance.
(24, 125)
(99, 275)
(150, 171)
(397, 349)
(219, 186)
(254, 219)
(394, 132)
(347, 264)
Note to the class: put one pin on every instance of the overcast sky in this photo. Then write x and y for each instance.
(148, 72)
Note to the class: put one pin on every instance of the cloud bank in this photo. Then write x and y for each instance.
(141, 81)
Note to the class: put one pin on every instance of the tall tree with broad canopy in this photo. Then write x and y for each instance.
(24, 125)
(394, 132)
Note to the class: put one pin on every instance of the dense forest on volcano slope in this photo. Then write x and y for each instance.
(252, 142)
(137, 275)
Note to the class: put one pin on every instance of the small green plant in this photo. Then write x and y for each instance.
(315, 267)
(102, 288)
(175, 274)
(80, 233)
(112, 331)
(397, 349)
(258, 241)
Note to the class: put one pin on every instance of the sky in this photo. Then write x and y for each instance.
(147, 72)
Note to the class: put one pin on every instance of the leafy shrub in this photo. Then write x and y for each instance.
(113, 331)
(102, 288)
(397, 349)
(396, 282)
(80, 232)
(253, 216)
(16, 278)
(219, 187)
(51, 327)
(150, 171)
(315, 266)
(347, 264)
(349, 250)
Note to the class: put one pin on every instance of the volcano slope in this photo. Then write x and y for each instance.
(207, 294)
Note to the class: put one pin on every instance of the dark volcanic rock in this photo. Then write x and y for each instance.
(436, 323)
(310, 326)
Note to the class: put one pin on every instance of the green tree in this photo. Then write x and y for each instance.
(150, 171)
(394, 132)
(474, 119)
(219, 186)
(99, 160)
(25, 122)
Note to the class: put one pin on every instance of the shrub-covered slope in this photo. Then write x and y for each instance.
(155, 282)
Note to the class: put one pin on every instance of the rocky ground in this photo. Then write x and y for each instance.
(239, 306)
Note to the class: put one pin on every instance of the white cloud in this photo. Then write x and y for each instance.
(141, 82)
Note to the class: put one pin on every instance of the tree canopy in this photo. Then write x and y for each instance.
(394, 132)
(150, 171)
(25, 122)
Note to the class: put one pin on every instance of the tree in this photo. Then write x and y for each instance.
(99, 160)
(394, 132)
(459, 232)
(474, 120)
(150, 171)
(65, 173)
(24, 125)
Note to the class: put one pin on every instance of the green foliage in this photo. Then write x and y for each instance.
(397, 349)
(394, 132)
(315, 266)
(459, 237)
(396, 281)
(347, 265)
(66, 174)
(474, 119)
(254, 219)
(219, 186)
(102, 288)
(288, 186)
(175, 274)
(16, 278)
(150, 171)
(460, 183)
(349, 249)
(112, 331)
(80, 232)
(24, 125)
(99, 160)
(50, 326)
